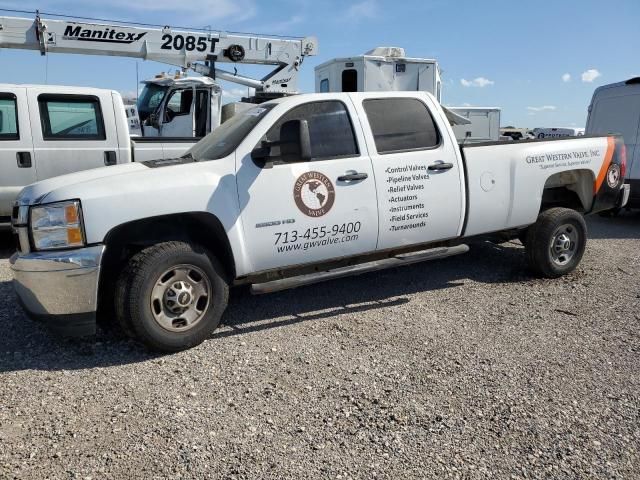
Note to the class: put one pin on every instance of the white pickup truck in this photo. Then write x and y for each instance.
(46, 131)
(292, 192)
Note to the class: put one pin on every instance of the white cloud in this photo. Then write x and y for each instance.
(476, 82)
(363, 10)
(543, 108)
(590, 75)
(566, 77)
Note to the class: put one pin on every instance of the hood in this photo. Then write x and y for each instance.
(38, 192)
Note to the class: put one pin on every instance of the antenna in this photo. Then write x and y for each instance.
(137, 83)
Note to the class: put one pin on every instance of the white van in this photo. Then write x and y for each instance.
(616, 108)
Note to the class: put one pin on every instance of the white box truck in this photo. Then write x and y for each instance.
(383, 69)
(616, 108)
(388, 69)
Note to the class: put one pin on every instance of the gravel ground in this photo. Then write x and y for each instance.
(463, 368)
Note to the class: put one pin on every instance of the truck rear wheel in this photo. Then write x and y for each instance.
(172, 295)
(556, 242)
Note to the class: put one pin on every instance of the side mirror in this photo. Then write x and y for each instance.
(295, 141)
(262, 154)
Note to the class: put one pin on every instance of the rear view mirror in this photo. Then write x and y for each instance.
(295, 141)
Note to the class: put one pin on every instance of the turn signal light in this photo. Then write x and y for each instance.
(74, 235)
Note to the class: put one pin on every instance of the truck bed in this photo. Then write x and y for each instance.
(500, 175)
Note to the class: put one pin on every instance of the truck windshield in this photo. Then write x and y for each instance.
(151, 96)
(226, 138)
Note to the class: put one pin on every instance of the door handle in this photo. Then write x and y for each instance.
(23, 159)
(439, 167)
(353, 177)
(110, 158)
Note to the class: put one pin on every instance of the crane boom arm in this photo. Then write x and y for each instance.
(199, 50)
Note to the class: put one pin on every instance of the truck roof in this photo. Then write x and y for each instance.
(166, 80)
(58, 88)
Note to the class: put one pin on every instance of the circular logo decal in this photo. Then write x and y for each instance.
(613, 175)
(314, 194)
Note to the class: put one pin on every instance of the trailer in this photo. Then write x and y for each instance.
(379, 70)
(385, 69)
(484, 124)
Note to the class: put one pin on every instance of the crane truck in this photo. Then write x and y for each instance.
(46, 131)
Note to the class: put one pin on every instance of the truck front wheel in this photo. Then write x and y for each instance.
(556, 242)
(172, 294)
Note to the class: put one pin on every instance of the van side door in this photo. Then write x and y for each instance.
(16, 147)
(418, 173)
(72, 132)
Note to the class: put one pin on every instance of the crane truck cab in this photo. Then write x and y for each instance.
(179, 106)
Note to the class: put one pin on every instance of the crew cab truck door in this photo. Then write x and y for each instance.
(297, 211)
(72, 132)
(16, 147)
(419, 178)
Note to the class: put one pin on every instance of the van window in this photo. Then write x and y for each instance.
(617, 115)
(71, 117)
(8, 117)
(324, 85)
(401, 124)
(330, 130)
(350, 80)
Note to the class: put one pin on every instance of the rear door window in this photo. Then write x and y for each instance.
(8, 117)
(401, 124)
(71, 117)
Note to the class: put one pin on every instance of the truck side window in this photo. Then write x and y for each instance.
(401, 124)
(8, 117)
(179, 103)
(324, 85)
(330, 130)
(71, 117)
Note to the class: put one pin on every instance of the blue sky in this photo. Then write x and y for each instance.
(539, 61)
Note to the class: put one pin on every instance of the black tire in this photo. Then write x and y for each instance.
(522, 236)
(556, 242)
(145, 271)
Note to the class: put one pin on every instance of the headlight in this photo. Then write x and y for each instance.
(57, 225)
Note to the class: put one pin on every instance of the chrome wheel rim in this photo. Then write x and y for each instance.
(564, 244)
(180, 298)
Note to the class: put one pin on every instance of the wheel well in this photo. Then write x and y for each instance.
(197, 227)
(572, 189)
(127, 239)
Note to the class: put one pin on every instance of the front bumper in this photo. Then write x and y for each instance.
(60, 288)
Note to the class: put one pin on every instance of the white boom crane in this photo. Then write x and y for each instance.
(196, 50)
